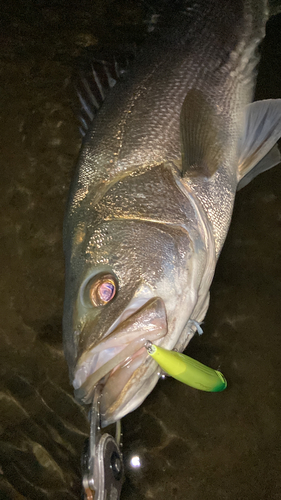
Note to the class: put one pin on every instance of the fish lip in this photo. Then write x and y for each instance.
(130, 350)
(84, 394)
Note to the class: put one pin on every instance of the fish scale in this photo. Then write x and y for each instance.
(152, 199)
(159, 81)
(143, 112)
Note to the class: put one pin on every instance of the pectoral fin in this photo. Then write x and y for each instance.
(258, 148)
(202, 136)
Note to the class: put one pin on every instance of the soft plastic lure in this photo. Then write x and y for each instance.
(187, 370)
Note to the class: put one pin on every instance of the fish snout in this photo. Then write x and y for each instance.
(113, 361)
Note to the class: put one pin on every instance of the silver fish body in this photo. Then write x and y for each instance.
(152, 198)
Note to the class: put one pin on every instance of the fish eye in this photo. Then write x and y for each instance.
(102, 289)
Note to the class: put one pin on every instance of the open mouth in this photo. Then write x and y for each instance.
(121, 352)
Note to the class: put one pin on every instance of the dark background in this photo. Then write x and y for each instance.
(192, 445)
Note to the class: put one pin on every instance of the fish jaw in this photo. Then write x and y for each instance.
(136, 390)
(119, 362)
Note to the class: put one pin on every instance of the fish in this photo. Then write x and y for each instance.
(152, 197)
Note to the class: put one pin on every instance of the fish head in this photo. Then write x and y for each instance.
(127, 282)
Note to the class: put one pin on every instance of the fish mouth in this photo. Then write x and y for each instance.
(117, 357)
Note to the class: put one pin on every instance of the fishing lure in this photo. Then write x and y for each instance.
(187, 370)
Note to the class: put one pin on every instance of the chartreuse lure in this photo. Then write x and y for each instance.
(187, 370)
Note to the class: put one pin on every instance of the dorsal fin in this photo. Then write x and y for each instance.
(201, 136)
(95, 79)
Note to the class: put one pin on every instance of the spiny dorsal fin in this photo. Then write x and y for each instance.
(258, 149)
(95, 80)
(201, 136)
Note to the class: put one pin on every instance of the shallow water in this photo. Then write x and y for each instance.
(191, 445)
